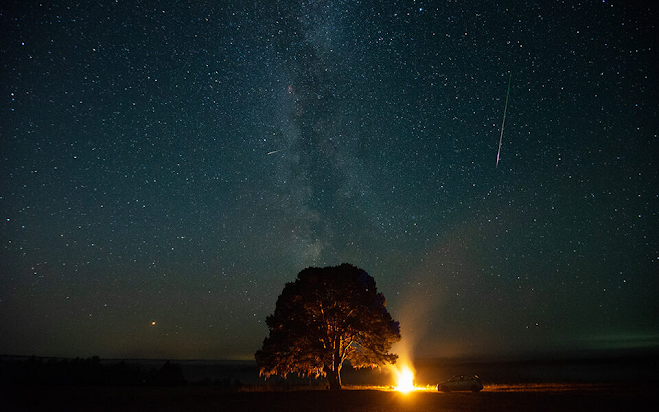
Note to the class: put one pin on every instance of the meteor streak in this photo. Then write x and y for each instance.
(275, 151)
(504, 119)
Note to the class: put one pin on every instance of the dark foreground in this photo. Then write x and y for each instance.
(546, 397)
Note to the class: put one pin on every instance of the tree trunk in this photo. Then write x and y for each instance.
(334, 378)
(334, 370)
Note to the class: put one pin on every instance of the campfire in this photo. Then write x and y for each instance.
(405, 379)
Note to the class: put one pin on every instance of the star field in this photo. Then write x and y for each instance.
(167, 168)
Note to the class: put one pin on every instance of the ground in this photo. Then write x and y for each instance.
(545, 397)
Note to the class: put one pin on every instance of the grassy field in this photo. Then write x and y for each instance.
(527, 397)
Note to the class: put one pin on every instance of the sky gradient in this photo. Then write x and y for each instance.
(166, 168)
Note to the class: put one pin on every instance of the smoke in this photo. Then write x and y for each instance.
(433, 291)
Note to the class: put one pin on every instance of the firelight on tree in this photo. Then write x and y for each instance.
(326, 317)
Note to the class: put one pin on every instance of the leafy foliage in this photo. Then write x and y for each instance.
(328, 316)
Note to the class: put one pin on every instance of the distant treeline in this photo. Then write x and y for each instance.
(88, 372)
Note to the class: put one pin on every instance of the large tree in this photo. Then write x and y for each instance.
(326, 317)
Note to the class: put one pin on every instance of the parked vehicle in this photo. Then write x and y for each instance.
(461, 383)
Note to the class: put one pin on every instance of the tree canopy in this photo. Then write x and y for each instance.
(326, 317)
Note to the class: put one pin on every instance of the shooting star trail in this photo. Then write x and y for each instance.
(504, 119)
(275, 151)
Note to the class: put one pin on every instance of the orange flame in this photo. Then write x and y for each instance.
(404, 379)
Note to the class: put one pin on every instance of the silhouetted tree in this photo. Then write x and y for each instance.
(170, 374)
(87, 372)
(328, 316)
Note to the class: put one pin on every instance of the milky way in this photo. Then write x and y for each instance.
(167, 169)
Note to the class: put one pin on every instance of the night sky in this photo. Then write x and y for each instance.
(166, 168)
